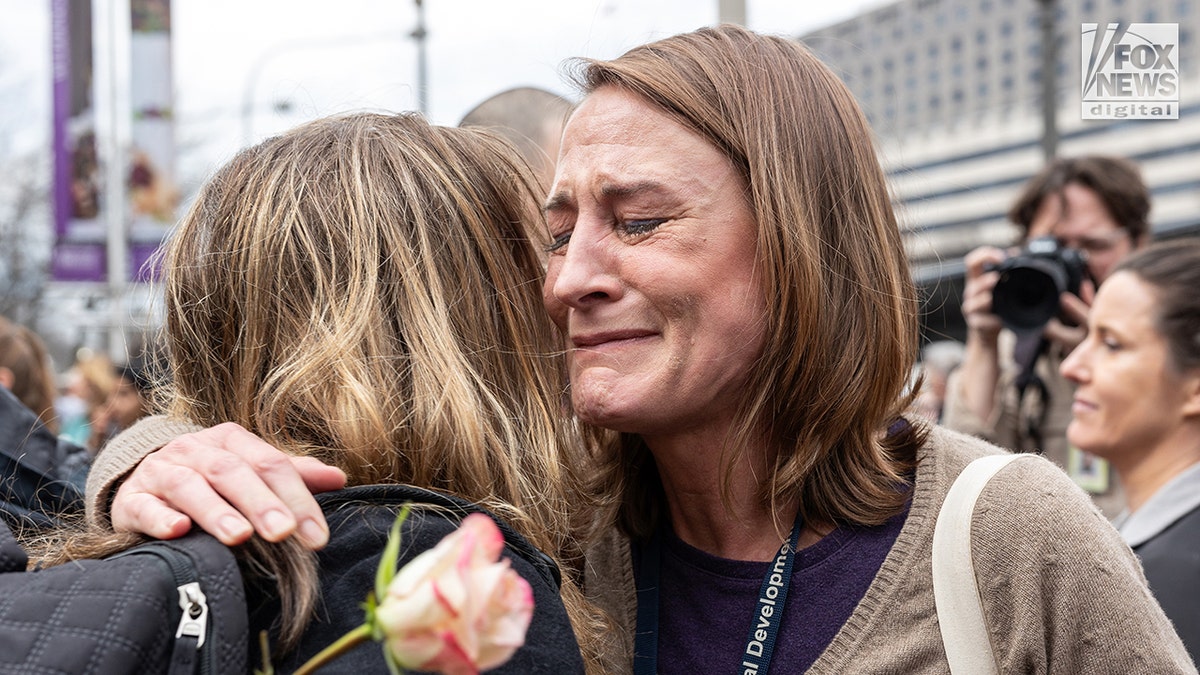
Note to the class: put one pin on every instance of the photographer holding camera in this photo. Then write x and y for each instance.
(1027, 309)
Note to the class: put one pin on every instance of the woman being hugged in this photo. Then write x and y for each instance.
(363, 291)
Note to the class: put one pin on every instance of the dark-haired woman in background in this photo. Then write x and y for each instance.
(1138, 406)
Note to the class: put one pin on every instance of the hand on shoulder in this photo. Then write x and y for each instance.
(229, 482)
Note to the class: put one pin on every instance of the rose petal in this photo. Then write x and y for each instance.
(457, 608)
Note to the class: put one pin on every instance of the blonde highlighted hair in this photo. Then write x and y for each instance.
(365, 289)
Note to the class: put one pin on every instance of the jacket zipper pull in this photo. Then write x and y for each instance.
(194, 622)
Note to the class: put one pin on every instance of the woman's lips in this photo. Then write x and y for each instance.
(1080, 405)
(612, 338)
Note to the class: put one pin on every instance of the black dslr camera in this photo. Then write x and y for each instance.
(1026, 297)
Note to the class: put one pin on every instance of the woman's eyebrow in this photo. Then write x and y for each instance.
(563, 200)
(557, 202)
(620, 190)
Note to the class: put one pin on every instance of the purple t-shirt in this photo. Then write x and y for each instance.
(706, 603)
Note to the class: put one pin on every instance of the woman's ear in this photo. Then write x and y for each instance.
(1191, 405)
(7, 378)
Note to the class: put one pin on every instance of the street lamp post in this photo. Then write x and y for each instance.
(731, 11)
(419, 34)
(1049, 81)
(112, 56)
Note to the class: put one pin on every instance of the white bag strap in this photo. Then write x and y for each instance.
(955, 592)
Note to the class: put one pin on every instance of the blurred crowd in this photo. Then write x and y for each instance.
(85, 404)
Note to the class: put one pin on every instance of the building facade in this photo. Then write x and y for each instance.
(953, 89)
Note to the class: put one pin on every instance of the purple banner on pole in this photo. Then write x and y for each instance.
(144, 266)
(60, 44)
(150, 192)
(79, 262)
(79, 231)
(151, 187)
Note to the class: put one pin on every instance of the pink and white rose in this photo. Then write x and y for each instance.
(457, 608)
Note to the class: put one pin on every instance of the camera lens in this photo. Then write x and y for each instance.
(1026, 296)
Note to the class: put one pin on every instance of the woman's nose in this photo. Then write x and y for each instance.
(586, 272)
(1074, 367)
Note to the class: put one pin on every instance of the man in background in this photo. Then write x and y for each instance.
(1008, 389)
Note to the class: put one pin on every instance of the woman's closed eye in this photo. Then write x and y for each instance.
(1109, 341)
(636, 227)
(631, 228)
(560, 240)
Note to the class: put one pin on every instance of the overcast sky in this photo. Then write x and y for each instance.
(297, 59)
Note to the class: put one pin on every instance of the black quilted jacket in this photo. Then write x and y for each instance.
(33, 487)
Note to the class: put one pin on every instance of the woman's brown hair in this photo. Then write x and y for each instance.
(842, 334)
(24, 355)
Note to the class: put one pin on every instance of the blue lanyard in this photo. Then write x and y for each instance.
(768, 611)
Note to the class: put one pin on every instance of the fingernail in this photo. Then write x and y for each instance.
(232, 527)
(313, 534)
(277, 525)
